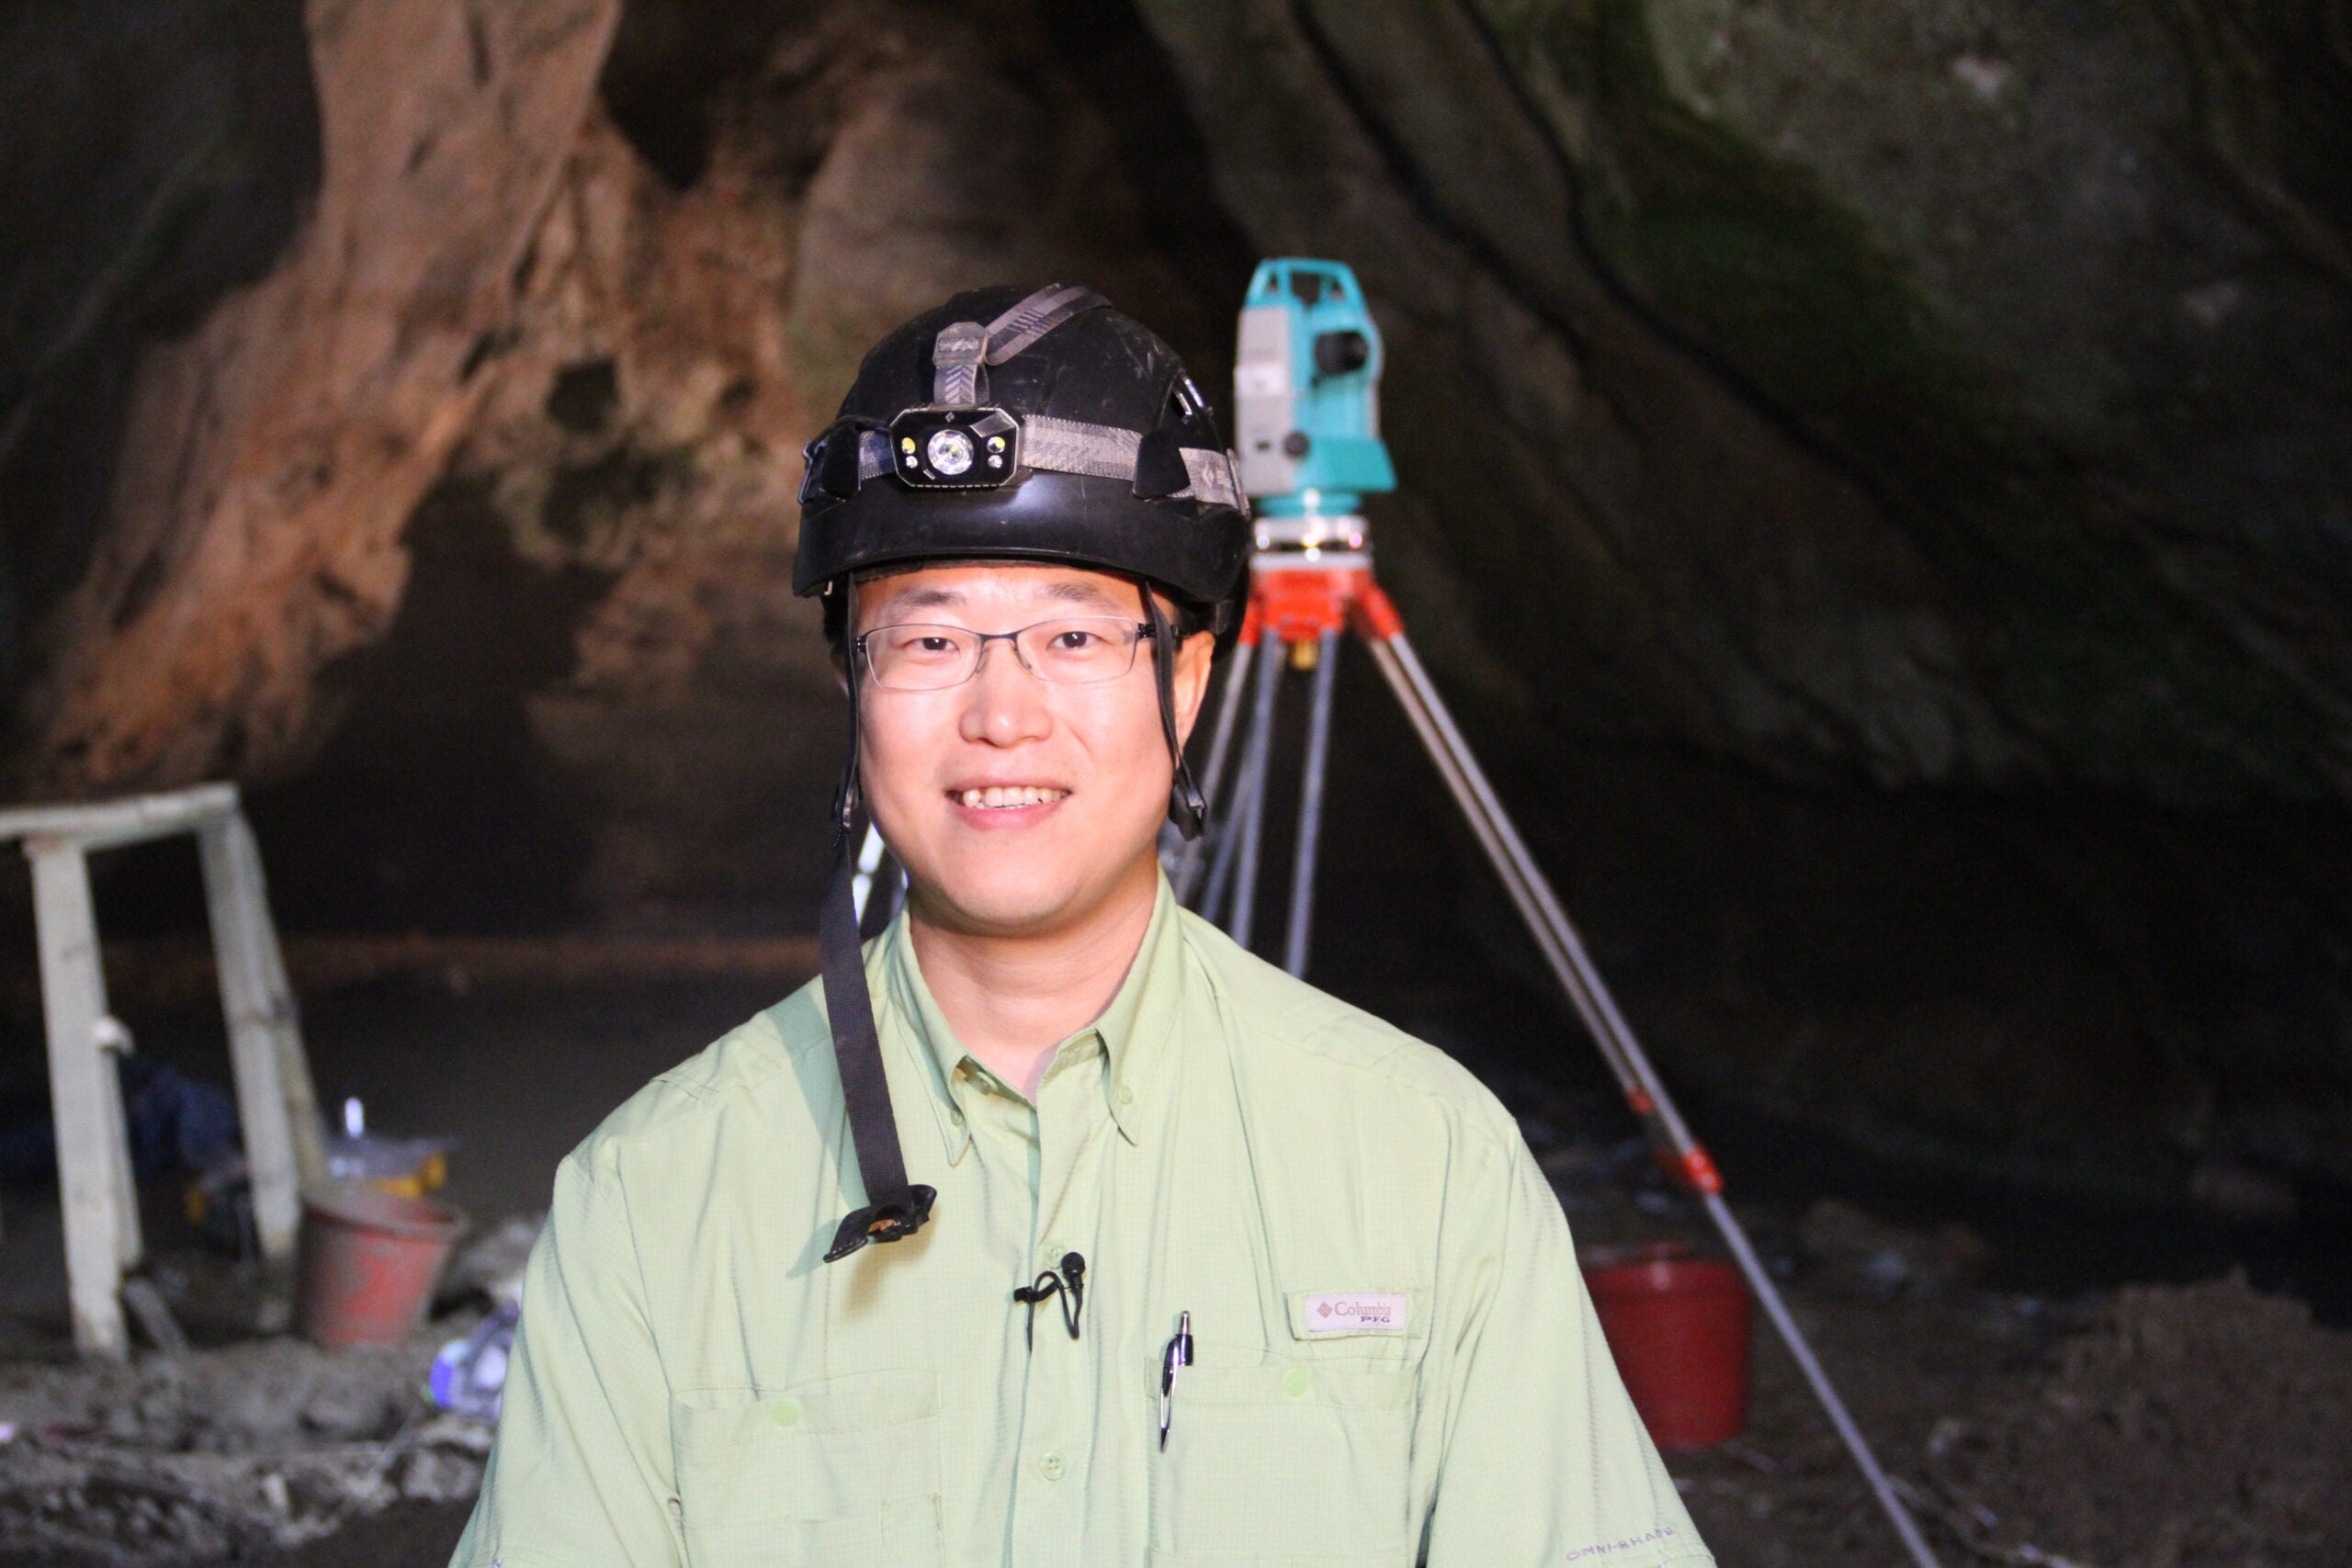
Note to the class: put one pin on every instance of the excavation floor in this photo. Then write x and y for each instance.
(2106, 1425)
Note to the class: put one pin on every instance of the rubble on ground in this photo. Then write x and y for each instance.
(258, 1446)
(2197, 1428)
(217, 1453)
(1855, 1249)
(492, 1263)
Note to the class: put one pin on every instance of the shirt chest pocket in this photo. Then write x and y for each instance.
(1306, 1461)
(841, 1471)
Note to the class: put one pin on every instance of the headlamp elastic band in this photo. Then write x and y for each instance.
(1074, 447)
(962, 347)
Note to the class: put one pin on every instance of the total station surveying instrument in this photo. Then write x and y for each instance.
(1306, 424)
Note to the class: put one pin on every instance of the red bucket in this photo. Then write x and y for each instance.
(367, 1265)
(1678, 1326)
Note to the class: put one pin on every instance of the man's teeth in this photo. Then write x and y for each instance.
(1000, 796)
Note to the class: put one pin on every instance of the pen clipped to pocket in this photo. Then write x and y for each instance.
(1173, 1360)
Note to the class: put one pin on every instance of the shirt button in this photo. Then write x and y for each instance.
(785, 1412)
(956, 1115)
(1126, 1095)
(1052, 1466)
(1296, 1382)
(1054, 1250)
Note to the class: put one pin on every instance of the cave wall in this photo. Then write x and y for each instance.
(1942, 412)
(1940, 393)
(118, 227)
(1928, 425)
(270, 455)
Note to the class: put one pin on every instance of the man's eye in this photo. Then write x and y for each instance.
(922, 645)
(1074, 641)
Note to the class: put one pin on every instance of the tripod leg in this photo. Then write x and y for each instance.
(1248, 780)
(1564, 949)
(1229, 843)
(1188, 860)
(1310, 804)
(1252, 825)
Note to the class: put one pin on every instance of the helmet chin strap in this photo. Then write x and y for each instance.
(1185, 802)
(895, 1208)
(846, 793)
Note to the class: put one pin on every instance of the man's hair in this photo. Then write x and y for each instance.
(1190, 615)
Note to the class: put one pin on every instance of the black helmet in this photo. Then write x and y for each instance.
(1031, 425)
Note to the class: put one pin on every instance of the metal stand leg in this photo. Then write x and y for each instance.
(91, 1141)
(1310, 803)
(1228, 839)
(1565, 950)
(1190, 860)
(302, 1117)
(1247, 782)
(230, 864)
(1250, 830)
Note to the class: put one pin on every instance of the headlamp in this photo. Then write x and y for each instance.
(955, 448)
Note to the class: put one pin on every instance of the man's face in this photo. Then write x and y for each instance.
(1079, 774)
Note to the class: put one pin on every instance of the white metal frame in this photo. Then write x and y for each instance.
(276, 1107)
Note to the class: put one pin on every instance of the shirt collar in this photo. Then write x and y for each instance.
(1133, 1029)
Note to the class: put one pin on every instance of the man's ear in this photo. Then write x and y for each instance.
(1194, 658)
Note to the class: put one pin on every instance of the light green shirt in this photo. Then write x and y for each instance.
(1394, 1360)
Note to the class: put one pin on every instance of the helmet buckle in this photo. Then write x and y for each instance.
(830, 460)
(1160, 465)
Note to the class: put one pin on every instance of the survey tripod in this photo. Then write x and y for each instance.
(1310, 582)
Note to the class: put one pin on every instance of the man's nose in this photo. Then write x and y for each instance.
(1004, 704)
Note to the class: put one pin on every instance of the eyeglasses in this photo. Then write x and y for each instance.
(1079, 652)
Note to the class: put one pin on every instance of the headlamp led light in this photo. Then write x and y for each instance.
(951, 448)
(950, 451)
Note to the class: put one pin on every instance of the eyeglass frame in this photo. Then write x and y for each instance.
(1143, 633)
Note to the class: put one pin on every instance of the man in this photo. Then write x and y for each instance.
(1058, 1231)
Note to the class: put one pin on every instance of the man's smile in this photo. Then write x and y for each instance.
(1007, 798)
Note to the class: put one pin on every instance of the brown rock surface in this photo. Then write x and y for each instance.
(271, 458)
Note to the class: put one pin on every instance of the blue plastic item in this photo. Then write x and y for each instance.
(176, 1123)
(470, 1375)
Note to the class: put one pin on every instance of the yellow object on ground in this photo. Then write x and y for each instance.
(430, 1176)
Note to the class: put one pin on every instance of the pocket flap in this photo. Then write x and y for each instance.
(852, 1402)
(1343, 1384)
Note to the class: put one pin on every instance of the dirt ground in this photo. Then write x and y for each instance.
(2081, 1423)
(2161, 1426)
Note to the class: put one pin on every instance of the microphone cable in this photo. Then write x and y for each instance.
(1069, 1283)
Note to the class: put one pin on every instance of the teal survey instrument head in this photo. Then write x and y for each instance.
(1306, 391)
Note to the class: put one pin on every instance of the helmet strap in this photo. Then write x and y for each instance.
(961, 351)
(894, 1207)
(1185, 805)
(848, 794)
